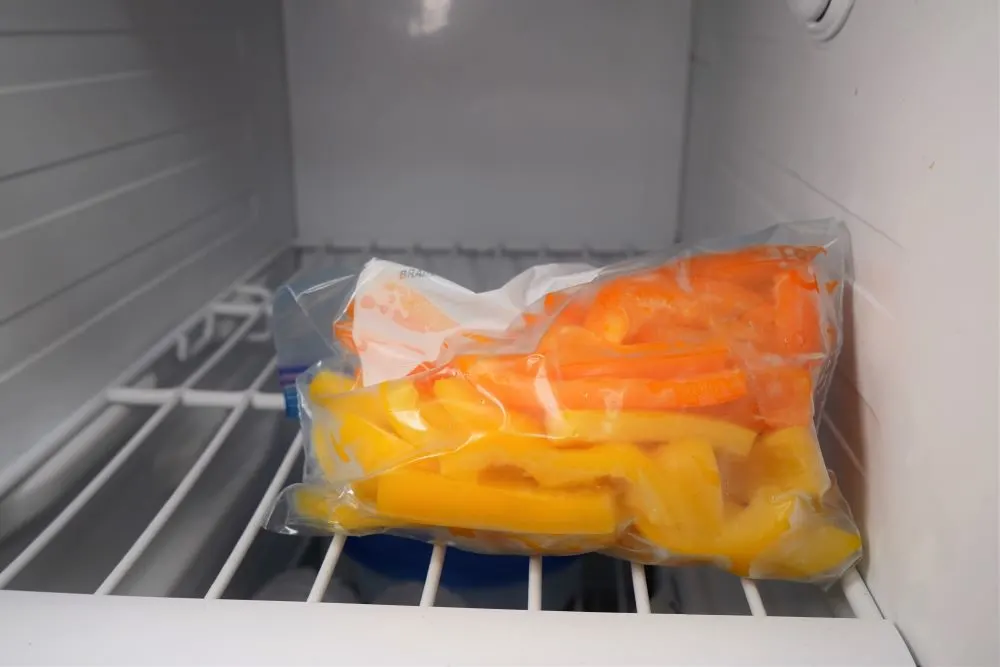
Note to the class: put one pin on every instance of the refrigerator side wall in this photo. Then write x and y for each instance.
(144, 166)
(481, 122)
(892, 127)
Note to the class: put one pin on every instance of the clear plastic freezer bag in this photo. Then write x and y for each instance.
(661, 409)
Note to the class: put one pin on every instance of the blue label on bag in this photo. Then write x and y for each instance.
(286, 380)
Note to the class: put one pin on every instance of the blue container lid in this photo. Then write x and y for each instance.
(406, 559)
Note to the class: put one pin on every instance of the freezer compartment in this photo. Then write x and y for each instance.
(148, 160)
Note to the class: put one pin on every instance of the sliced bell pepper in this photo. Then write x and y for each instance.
(333, 399)
(580, 467)
(751, 266)
(741, 412)
(609, 320)
(753, 331)
(330, 456)
(650, 368)
(566, 306)
(550, 467)
(575, 352)
(475, 411)
(689, 392)
(788, 461)
(783, 395)
(625, 306)
(328, 383)
(649, 426)
(750, 531)
(423, 423)
(540, 394)
(374, 449)
(353, 426)
(679, 506)
(343, 329)
(434, 500)
(332, 394)
(796, 314)
(817, 548)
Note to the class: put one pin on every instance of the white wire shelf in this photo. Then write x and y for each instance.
(247, 300)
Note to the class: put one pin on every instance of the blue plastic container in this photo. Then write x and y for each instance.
(468, 575)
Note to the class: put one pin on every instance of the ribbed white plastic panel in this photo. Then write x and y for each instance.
(891, 127)
(144, 164)
(177, 630)
(486, 122)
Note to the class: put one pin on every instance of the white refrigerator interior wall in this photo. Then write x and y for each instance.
(481, 122)
(145, 163)
(144, 166)
(892, 127)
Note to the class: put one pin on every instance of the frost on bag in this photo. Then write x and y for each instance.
(662, 410)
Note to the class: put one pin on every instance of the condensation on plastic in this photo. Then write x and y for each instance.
(662, 409)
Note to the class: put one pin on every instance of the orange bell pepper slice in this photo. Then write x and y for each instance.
(572, 314)
(783, 395)
(756, 265)
(567, 308)
(343, 329)
(541, 395)
(625, 306)
(573, 352)
(708, 362)
(796, 313)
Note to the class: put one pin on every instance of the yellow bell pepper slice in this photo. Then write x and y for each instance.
(808, 551)
(334, 455)
(787, 460)
(373, 448)
(335, 394)
(572, 467)
(329, 383)
(680, 506)
(429, 499)
(330, 457)
(749, 532)
(478, 412)
(419, 422)
(650, 426)
(550, 467)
